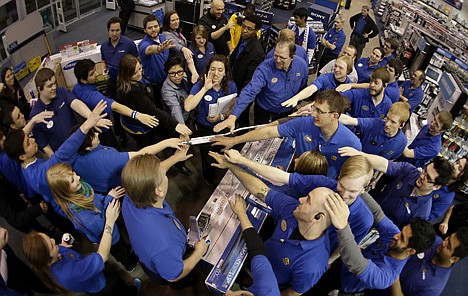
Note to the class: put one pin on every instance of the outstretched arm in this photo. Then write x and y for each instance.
(253, 184)
(269, 172)
(379, 163)
(262, 133)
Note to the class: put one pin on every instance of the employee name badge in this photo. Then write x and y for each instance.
(274, 80)
(200, 56)
(213, 27)
(360, 65)
(50, 124)
(208, 98)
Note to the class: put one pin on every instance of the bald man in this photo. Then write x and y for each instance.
(218, 27)
(299, 248)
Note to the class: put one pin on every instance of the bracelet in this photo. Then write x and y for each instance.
(222, 116)
(134, 114)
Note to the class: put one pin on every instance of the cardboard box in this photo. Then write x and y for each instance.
(68, 64)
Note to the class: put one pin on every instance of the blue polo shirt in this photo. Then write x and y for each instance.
(210, 97)
(91, 96)
(337, 38)
(300, 52)
(396, 199)
(362, 105)
(112, 55)
(201, 59)
(79, 273)
(153, 64)
(420, 277)
(364, 70)
(63, 120)
(309, 137)
(376, 141)
(264, 280)
(158, 238)
(360, 217)
(385, 60)
(299, 263)
(441, 200)
(425, 147)
(414, 95)
(35, 172)
(12, 171)
(328, 81)
(392, 91)
(382, 270)
(270, 86)
(101, 167)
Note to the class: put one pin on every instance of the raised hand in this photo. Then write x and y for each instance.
(117, 192)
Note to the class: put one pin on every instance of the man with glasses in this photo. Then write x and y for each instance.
(389, 47)
(320, 131)
(245, 58)
(272, 83)
(408, 194)
(411, 91)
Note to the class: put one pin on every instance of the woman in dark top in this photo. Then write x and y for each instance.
(138, 96)
(13, 92)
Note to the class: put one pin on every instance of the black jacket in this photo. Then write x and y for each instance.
(244, 66)
(368, 27)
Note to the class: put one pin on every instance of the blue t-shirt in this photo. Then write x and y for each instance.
(201, 59)
(210, 97)
(101, 167)
(376, 141)
(264, 280)
(300, 52)
(79, 273)
(420, 277)
(337, 38)
(364, 70)
(392, 91)
(382, 270)
(362, 105)
(158, 238)
(112, 55)
(153, 64)
(309, 137)
(299, 263)
(328, 81)
(414, 95)
(396, 199)
(441, 200)
(60, 125)
(91, 96)
(12, 171)
(270, 86)
(360, 217)
(425, 146)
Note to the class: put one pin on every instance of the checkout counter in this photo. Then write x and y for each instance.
(227, 251)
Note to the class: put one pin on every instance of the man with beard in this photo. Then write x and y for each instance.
(321, 131)
(408, 194)
(343, 66)
(427, 143)
(218, 27)
(382, 136)
(299, 248)
(371, 102)
(273, 81)
(411, 91)
(428, 273)
(378, 265)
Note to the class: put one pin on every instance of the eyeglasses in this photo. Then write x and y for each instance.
(320, 112)
(247, 28)
(178, 73)
(427, 177)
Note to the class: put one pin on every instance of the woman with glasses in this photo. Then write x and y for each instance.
(171, 30)
(135, 94)
(215, 83)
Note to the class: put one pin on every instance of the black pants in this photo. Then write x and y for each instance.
(329, 281)
(208, 170)
(122, 253)
(125, 12)
(359, 42)
(115, 286)
(262, 116)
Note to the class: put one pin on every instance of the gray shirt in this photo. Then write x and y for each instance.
(173, 97)
(328, 68)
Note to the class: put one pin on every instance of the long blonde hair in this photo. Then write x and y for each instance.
(58, 177)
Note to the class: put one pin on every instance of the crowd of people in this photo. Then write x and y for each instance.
(62, 158)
